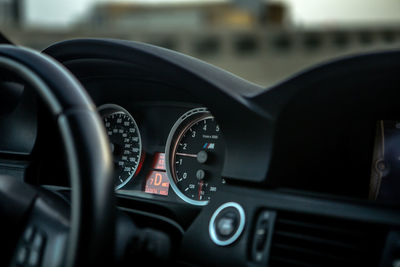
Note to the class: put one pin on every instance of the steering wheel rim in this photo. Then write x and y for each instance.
(92, 220)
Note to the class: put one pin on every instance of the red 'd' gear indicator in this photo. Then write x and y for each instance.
(157, 183)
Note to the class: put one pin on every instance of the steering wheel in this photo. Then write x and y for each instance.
(49, 232)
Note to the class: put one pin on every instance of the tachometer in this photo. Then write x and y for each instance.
(194, 156)
(125, 142)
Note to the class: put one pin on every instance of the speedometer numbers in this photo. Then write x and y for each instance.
(125, 142)
(194, 156)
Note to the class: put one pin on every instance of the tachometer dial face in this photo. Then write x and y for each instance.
(194, 156)
(125, 142)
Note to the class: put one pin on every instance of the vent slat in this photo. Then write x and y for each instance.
(318, 241)
(280, 261)
(309, 240)
(353, 232)
(312, 253)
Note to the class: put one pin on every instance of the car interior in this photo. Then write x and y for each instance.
(121, 153)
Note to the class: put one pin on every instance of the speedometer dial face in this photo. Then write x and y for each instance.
(125, 142)
(195, 154)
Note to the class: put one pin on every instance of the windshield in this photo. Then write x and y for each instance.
(261, 41)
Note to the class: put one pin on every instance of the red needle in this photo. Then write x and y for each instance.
(200, 188)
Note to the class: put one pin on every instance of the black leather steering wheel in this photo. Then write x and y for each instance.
(49, 234)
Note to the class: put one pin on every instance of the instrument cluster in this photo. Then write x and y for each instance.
(184, 164)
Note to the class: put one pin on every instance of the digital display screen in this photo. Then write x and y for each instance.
(157, 183)
(159, 161)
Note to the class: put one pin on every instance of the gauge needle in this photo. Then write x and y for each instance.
(187, 155)
(200, 188)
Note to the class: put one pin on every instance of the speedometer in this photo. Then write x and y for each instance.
(194, 156)
(125, 142)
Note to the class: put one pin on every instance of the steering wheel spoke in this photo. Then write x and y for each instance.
(44, 219)
(44, 239)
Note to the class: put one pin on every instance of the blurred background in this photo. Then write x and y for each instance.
(263, 41)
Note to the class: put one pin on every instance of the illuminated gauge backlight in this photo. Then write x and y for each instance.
(125, 142)
(157, 181)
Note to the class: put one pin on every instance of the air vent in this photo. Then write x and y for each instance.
(308, 240)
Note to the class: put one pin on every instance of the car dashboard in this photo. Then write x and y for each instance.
(305, 172)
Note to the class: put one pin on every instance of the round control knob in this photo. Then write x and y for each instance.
(227, 224)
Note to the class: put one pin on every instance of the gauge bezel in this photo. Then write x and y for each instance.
(238, 231)
(106, 110)
(179, 128)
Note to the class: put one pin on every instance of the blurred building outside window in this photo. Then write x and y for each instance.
(262, 41)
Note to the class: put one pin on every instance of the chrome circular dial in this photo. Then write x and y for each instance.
(125, 142)
(194, 156)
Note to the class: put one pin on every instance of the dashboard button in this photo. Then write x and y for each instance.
(227, 223)
(262, 237)
(28, 233)
(21, 255)
(38, 241)
(33, 258)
